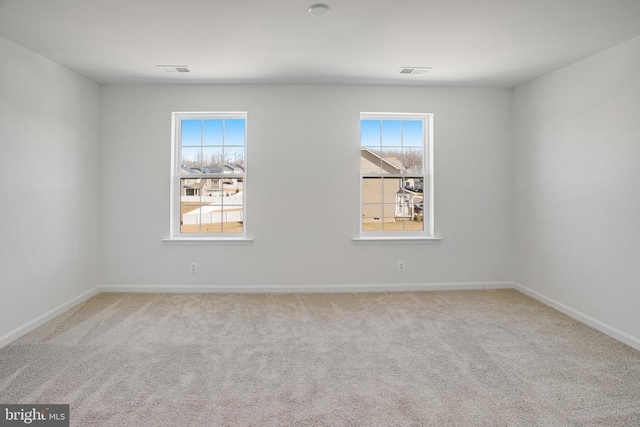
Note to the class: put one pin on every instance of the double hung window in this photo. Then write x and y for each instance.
(209, 174)
(395, 175)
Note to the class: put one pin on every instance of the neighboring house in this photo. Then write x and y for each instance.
(371, 162)
(412, 183)
(408, 203)
(191, 187)
(210, 186)
(232, 169)
(229, 168)
(387, 199)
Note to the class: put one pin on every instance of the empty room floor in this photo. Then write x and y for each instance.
(459, 358)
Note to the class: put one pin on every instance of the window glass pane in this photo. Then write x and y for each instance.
(232, 192)
(191, 132)
(390, 188)
(414, 224)
(391, 133)
(390, 223)
(413, 183)
(213, 132)
(195, 218)
(234, 131)
(211, 215)
(412, 133)
(212, 190)
(191, 157)
(213, 157)
(410, 204)
(370, 160)
(190, 190)
(190, 204)
(232, 219)
(404, 205)
(234, 156)
(401, 209)
(370, 133)
(388, 214)
(212, 187)
(418, 209)
(372, 217)
(186, 170)
(413, 160)
(372, 190)
(392, 160)
(410, 224)
(190, 217)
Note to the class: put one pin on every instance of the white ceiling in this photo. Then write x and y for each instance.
(466, 42)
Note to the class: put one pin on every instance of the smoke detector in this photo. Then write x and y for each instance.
(414, 70)
(174, 68)
(319, 9)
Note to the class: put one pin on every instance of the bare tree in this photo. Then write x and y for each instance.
(408, 157)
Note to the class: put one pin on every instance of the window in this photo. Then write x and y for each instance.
(209, 175)
(395, 175)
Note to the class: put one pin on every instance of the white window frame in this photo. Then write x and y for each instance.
(176, 164)
(428, 234)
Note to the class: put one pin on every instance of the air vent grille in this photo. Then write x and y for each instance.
(414, 70)
(174, 68)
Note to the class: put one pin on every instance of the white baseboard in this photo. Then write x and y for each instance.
(40, 320)
(581, 317)
(401, 287)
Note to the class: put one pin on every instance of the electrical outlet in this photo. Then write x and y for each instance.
(193, 267)
(401, 266)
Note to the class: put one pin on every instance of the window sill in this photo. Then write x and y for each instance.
(207, 241)
(397, 240)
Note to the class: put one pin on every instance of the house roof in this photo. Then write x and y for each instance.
(391, 160)
(404, 190)
(186, 170)
(394, 161)
(234, 167)
(195, 185)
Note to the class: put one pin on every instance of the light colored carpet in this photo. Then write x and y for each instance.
(454, 358)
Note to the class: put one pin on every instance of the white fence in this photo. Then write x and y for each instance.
(218, 199)
(212, 215)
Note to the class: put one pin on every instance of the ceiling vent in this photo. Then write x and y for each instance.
(414, 70)
(174, 68)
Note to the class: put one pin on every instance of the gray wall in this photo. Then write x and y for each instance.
(49, 219)
(577, 186)
(302, 186)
